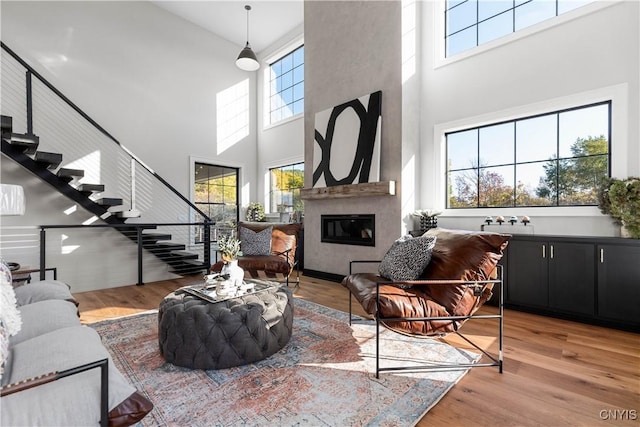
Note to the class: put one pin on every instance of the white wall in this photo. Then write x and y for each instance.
(146, 76)
(283, 143)
(593, 53)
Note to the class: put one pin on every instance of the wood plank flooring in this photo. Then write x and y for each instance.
(556, 372)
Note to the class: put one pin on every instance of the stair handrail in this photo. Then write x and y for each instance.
(100, 128)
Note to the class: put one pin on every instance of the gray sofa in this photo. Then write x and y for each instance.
(57, 369)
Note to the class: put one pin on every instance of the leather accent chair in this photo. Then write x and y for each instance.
(458, 280)
(280, 262)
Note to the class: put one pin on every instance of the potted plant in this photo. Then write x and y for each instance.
(229, 247)
(255, 212)
(620, 198)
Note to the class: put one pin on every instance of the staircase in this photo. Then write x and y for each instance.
(23, 149)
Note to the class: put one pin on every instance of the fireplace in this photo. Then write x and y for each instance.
(348, 229)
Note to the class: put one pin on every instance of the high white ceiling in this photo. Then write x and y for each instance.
(268, 20)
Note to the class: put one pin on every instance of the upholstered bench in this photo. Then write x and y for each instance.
(198, 334)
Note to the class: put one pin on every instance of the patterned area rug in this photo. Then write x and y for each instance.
(325, 376)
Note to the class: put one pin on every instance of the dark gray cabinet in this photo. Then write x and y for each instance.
(552, 274)
(619, 282)
(586, 279)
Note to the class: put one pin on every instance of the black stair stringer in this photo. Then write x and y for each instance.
(178, 266)
(60, 184)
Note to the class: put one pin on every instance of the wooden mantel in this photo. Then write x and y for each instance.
(367, 189)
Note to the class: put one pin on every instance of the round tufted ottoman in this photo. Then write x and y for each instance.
(198, 334)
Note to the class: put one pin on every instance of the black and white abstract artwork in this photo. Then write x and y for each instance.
(347, 142)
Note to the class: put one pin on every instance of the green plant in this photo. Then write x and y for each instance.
(620, 198)
(255, 212)
(229, 247)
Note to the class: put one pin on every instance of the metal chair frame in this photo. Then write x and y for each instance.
(496, 360)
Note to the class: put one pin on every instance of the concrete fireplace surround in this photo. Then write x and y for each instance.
(337, 70)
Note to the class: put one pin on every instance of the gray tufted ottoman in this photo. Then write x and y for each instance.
(198, 334)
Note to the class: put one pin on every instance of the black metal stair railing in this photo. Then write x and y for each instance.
(55, 124)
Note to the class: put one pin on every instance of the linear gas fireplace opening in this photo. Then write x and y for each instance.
(349, 229)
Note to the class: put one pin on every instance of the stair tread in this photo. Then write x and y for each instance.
(108, 201)
(167, 246)
(28, 143)
(66, 173)
(90, 188)
(52, 160)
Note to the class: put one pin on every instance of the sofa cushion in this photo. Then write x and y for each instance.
(407, 258)
(10, 319)
(45, 316)
(255, 242)
(71, 401)
(44, 290)
(463, 255)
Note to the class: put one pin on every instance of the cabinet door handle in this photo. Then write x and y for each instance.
(551, 254)
(601, 255)
(544, 251)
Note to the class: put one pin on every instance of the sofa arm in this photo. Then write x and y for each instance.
(54, 376)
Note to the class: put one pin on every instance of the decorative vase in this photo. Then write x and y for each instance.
(235, 272)
(624, 232)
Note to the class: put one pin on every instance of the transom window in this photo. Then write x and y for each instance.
(286, 182)
(470, 23)
(216, 194)
(286, 86)
(554, 159)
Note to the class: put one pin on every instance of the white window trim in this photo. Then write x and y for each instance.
(439, 25)
(617, 94)
(267, 177)
(266, 78)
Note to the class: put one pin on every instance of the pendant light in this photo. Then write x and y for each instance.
(247, 60)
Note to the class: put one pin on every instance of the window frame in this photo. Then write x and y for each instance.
(515, 163)
(439, 29)
(195, 163)
(270, 192)
(619, 151)
(281, 54)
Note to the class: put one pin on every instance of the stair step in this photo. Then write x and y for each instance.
(132, 213)
(108, 201)
(154, 237)
(27, 143)
(178, 258)
(90, 188)
(69, 174)
(165, 248)
(7, 126)
(50, 160)
(190, 267)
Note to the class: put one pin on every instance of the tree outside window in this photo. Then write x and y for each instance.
(286, 182)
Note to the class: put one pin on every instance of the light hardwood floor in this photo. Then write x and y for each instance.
(556, 372)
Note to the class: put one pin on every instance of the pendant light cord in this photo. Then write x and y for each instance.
(248, 8)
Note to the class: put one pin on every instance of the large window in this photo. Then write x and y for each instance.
(554, 159)
(286, 86)
(286, 182)
(470, 23)
(216, 194)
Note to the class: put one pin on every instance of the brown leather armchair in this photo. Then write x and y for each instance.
(458, 280)
(280, 262)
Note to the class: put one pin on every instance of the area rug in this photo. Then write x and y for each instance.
(324, 376)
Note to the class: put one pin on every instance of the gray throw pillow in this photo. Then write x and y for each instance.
(407, 258)
(255, 243)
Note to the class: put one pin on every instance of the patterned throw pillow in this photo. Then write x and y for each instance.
(407, 258)
(255, 243)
